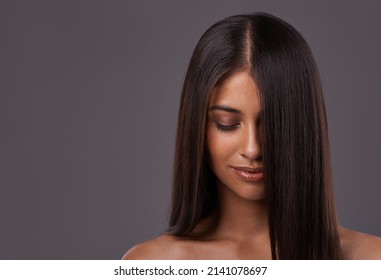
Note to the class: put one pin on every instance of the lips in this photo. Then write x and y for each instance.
(251, 174)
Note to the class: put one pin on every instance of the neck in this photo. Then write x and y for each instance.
(240, 218)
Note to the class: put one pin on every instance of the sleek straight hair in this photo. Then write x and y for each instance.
(296, 158)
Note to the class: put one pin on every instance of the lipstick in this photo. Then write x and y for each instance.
(248, 173)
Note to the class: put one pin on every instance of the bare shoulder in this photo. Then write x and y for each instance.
(359, 246)
(164, 247)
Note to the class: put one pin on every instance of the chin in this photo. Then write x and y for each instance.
(248, 191)
(256, 193)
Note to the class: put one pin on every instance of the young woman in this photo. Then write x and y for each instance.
(252, 175)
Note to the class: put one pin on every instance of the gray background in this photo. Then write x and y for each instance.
(89, 94)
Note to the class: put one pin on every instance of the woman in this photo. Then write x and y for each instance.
(252, 176)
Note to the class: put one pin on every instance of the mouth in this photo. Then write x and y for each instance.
(250, 174)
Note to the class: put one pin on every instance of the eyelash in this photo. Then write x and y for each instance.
(225, 128)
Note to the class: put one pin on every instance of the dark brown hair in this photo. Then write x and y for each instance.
(296, 159)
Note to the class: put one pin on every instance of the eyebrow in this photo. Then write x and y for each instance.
(225, 108)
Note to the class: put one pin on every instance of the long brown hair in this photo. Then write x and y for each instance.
(296, 157)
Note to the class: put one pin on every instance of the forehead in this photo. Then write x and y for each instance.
(238, 91)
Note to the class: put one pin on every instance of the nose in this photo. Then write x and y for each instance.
(251, 143)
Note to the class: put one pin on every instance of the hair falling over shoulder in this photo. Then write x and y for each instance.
(296, 157)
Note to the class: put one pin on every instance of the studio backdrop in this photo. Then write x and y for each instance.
(89, 96)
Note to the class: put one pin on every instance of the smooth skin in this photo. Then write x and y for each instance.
(241, 229)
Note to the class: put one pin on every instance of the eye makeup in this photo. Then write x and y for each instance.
(225, 128)
(224, 123)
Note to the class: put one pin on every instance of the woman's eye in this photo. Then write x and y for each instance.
(225, 128)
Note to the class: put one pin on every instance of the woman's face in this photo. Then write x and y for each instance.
(234, 136)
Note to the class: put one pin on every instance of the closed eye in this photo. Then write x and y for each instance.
(225, 128)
